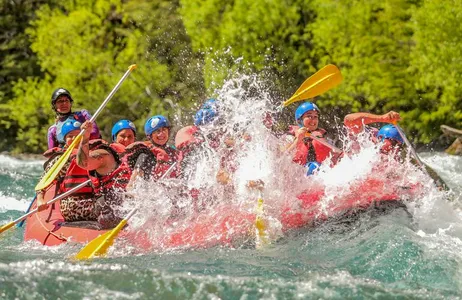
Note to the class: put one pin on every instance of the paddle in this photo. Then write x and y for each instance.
(100, 245)
(28, 209)
(409, 145)
(63, 195)
(260, 226)
(48, 178)
(325, 143)
(422, 166)
(318, 83)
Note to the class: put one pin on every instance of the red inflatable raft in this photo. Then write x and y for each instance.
(218, 226)
(204, 230)
(49, 228)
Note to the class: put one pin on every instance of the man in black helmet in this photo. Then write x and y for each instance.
(61, 102)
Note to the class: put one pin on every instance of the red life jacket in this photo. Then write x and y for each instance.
(114, 182)
(165, 156)
(312, 150)
(75, 175)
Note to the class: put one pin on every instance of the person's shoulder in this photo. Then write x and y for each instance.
(52, 129)
(83, 113)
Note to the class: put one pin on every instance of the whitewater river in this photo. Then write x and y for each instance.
(388, 256)
(412, 253)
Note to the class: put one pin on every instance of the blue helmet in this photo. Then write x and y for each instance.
(210, 104)
(69, 126)
(302, 109)
(389, 132)
(204, 116)
(120, 125)
(154, 123)
(312, 166)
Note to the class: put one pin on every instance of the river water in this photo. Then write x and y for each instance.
(386, 256)
(401, 254)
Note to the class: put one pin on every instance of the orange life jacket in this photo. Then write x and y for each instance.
(312, 150)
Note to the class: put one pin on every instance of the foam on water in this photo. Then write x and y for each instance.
(9, 162)
(9, 203)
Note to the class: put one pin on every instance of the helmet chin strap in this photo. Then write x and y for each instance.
(61, 115)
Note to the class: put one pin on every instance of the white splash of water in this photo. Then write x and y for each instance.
(11, 203)
(172, 216)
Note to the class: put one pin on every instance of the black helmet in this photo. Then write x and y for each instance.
(59, 92)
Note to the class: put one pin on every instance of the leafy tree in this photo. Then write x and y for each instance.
(270, 35)
(16, 58)
(86, 46)
(371, 42)
(437, 59)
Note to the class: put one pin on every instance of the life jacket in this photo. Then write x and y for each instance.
(78, 116)
(50, 153)
(165, 157)
(133, 151)
(112, 183)
(312, 150)
(113, 148)
(75, 175)
(117, 179)
(119, 148)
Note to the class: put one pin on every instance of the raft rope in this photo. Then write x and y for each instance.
(50, 232)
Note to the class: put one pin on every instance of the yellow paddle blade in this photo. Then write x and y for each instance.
(260, 226)
(100, 245)
(318, 83)
(54, 171)
(6, 226)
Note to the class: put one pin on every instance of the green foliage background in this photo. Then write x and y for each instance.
(402, 55)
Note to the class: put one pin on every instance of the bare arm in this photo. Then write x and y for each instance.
(299, 135)
(356, 121)
(85, 160)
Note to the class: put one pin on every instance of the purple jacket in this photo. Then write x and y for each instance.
(80, 116)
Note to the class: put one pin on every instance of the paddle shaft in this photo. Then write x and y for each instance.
(114, 90)
(422, 166)
(409, 146)
(111, 94)
(28, 209)
(63, 195)
(337, 150)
